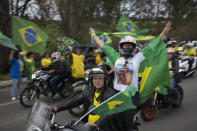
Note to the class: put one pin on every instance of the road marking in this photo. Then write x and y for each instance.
(5, 104)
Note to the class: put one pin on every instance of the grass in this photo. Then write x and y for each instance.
(4, 77)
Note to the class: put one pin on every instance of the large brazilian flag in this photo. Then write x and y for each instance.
(28, 36)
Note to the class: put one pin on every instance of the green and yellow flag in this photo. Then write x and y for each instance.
(117, 103)
(7, 42)
(125, 24)
(28, 36)
(154, 71)
(122, 34)
(69, 41)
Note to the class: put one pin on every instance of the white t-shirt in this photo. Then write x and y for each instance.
(126, 73)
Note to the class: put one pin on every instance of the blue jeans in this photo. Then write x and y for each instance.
(16, 86)
(173, 85)
(53, 83)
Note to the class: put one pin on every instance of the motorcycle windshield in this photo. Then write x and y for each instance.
(37, 119)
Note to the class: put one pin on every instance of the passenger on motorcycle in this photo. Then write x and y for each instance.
(93, 95)
(191, 53)
(174, 70)
(126, 69)
(59, 71)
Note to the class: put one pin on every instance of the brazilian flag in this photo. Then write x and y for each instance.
(7, 42)
(69, 41)
(106, 38)
(61, 47)
(28, 36)
(125, 24)
(117, 103)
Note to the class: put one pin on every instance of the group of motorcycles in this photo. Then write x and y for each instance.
(39, 85)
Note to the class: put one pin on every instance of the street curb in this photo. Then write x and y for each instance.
(7, 83)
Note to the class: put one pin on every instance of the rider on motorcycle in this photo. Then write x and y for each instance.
(126, 68)
(191, 53)
(174, 70)
(59, 71)
(93, 95)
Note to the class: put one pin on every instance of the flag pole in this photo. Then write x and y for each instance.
(95, 108)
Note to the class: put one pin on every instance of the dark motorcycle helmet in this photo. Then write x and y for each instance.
(127, 52)
(97, 71)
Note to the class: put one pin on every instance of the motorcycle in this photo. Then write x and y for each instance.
(41, 118)
(79, 87)
(184, 67)
(40, 85)
(159, 100)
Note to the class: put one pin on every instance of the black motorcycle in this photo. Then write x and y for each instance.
(40, 85)
(159, 100)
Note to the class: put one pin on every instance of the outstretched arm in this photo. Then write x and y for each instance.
(165, 30)
(96, 38)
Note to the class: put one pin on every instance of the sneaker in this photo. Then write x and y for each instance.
(13, 98)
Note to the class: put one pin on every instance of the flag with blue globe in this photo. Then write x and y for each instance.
(28, 36)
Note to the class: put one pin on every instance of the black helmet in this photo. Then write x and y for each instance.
(97, 71)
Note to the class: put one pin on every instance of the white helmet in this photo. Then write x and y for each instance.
(127, 52)
(128, 39)
(55, 56)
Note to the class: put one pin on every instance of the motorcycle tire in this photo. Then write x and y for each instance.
(28, 97)
(66, 91)
(148, 113)
(179, 101)
(182, 75)
(79, 110)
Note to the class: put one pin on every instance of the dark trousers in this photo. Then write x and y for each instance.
(191, 61)
(53, 83)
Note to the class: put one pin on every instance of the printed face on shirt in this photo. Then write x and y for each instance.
(124, 73)
(98, 81)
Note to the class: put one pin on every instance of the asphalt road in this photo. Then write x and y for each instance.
(13, 116)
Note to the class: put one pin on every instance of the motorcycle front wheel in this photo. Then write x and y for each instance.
(148, 113)
(28, 97)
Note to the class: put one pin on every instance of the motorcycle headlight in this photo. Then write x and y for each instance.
(33, 76)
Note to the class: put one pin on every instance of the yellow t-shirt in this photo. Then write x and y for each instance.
(21, 65)
(94, 118)
(82, 57)
(45, 62)
(98, 59)
(176, 48)
(190, 52)
(170, 66)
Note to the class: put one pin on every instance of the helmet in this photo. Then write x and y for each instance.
(170, 50)
(189, 45)
(171, 43)
(55, 56)
(97, 71)
(127, 52)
